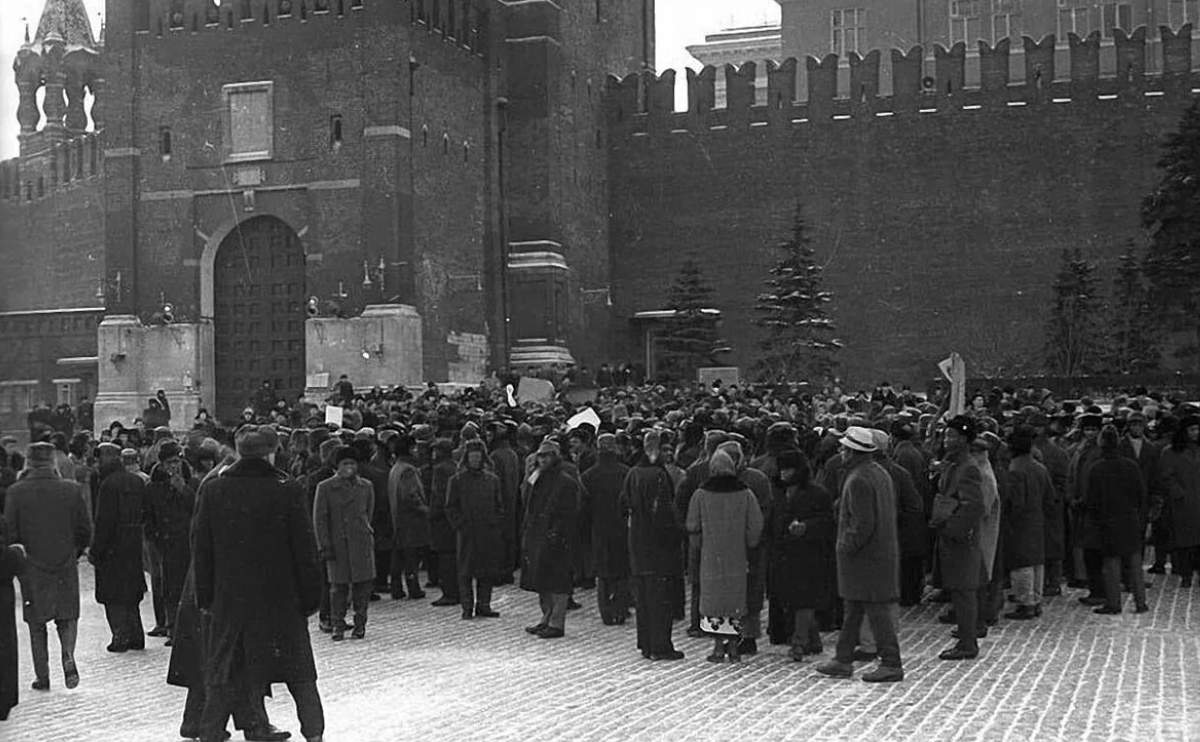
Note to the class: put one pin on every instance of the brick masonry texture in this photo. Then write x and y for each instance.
(940, 223)
(424, 674)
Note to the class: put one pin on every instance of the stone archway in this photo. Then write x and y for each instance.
(258, 314)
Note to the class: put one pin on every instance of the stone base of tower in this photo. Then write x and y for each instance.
(136, 360)
(382, 347)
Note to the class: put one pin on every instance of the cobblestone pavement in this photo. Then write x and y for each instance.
(424, 674)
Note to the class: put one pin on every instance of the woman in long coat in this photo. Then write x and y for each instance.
(1181, 480)
(12, 563)
(724, 517)
(803, 565)
(1116, 495)
(475, 510)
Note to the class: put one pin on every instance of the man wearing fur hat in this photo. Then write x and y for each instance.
(957, 516)
(342, 512)
(48, 516)
(1087, 559)
(475, 512)
(507, 465)
(868, 560)
(170, 500)
(410, 518)
(549, 538)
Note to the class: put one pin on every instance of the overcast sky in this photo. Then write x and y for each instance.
(679, 24)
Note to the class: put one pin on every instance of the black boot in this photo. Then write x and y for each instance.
(414, 586)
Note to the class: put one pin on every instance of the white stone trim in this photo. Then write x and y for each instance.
(533, 39)
(391, 130)
(122, 152)
(77, 310)
(531, 260)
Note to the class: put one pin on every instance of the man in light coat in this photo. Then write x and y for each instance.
(342, 512)
(868, 560)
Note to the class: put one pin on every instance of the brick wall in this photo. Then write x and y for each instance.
(940, 230)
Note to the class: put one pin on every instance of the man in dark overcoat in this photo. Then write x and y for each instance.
(475, 512)
(1115, 501)
(602, 485)
(409, 504)
(48, 515)
(549, 538)
(117, 555)
(442, 537)
(1054, 509)
(1135, 447)
(1028, 487)
(958, 517)
(170, 501)
(656, 533)
(506, 465)
(261, 588)
(12, 564)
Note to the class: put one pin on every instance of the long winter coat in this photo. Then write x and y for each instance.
(1057, 464)
(957, 517)
(442, 536)
(1181, 482)
(911, 521)
(1149, 461)
(381, 519)
(989, 527)
(1029, 487)
(188, 639)
(506, 465)
(725, 518)
(868, 540)
(656, 527)
(602, 485)
(342, 513)
(550, 533)
(49, 516)
(409, 506)
(475, 510)
(255, 560)
(117, 545)
(1115, 501)
(12, 564)
(914, 461)
(804, 568)
(1085, 531)
(756, 578)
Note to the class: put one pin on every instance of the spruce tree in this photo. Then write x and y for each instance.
(798, 342)
(1073, 329)
(1170, 214)
(689, 339)
(1131, 344)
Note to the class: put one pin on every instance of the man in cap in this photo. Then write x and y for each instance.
(1135, 447)
(170, 501)
(260, 590)
(957, 516)
(410, 519)
(507, 466)
(1087, 559)
(549, 538)
(117, 555)
(49, 517)
(342, 512)
(868, 560)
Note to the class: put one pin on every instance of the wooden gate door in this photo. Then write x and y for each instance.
(258, 322)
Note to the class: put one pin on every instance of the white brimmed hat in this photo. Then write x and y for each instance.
(859, 439)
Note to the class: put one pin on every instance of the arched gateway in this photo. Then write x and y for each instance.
(258, 314)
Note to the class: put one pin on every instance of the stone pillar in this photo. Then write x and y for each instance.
(137, 360)
(380, 348)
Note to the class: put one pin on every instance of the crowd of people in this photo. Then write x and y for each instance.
(714, 506)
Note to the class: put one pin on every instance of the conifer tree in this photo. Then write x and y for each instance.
(1131, 345)
(1073, 329)
(798, 342)
(689, 339)
(1170, 214)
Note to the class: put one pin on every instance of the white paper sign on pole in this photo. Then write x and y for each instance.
(334, 414)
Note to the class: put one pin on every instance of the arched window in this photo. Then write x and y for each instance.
(445, 144)
(466, 151)
(164, 142)
(335, 131)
